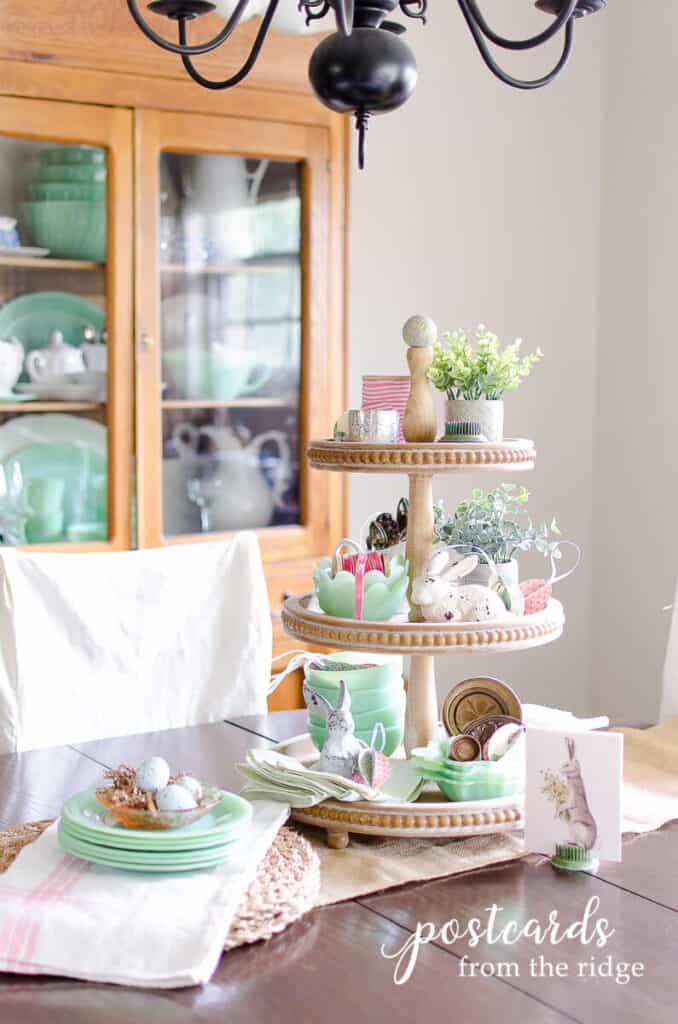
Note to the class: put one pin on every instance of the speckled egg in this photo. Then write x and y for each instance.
(153, 774)
(174, 798)
(192, 785)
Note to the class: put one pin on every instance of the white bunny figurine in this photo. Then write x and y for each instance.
(576, 811)
(441, 599)
(342, 747)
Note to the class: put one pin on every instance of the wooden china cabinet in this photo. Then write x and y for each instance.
(196, 254)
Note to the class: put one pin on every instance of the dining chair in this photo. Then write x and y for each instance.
(109, 644)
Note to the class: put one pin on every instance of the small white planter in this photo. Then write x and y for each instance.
(507, 572)
(489, 413)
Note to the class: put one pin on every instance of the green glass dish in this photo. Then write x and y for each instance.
(386, 670)
(490, 789)
(73, 155)
(382, 595)
(87, 818)
(363, 701)
(394, 736)
(131, 860)
(71, 229)
(32, 317)
(59, 191)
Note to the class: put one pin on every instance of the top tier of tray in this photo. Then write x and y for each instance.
(509, 455)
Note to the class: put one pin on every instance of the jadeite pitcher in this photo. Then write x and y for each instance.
(245, 500)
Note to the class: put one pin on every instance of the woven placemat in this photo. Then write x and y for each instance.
(285, 887)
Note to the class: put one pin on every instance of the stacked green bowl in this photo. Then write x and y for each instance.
(469, 780)
(377, 695)
(66, 208)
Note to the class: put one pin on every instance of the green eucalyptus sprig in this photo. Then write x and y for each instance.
(478, 368)
(498, 522)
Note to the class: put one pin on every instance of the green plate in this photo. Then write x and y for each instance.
(225, 821)
(132, 860)
(31, 318)
(82, 468)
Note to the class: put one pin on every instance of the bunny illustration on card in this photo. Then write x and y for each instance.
(575, 810)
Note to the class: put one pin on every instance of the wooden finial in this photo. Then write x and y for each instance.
(420, 423)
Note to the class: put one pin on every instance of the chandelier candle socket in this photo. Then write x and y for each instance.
(364, 67)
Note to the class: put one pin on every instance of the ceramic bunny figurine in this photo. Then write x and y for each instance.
(342, 747)
(581, 822)
(442, 599)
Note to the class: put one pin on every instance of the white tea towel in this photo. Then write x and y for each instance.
(98, 645)
(64, 916)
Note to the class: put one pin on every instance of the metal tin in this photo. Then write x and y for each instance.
(379, 426)
(484, 728)
(465, 748)
(476, 697)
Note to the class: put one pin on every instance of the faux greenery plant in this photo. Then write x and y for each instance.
(498, 522)
(478, 368)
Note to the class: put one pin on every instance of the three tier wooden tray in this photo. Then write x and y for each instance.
(421, 640)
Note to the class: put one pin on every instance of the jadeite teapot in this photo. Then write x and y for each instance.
(245, 500)
(54, 361)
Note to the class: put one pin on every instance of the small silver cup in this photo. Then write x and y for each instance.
(378, 426)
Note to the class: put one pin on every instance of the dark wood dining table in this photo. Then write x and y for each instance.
(329, 968)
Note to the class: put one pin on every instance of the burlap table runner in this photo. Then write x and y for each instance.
(370, 865)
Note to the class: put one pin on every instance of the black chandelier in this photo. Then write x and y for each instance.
(365, 67)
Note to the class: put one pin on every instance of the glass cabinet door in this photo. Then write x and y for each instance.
(238, 288)
(65, 423)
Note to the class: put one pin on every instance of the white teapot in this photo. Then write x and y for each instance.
(244, 501)
(54, 361)
(11, 362)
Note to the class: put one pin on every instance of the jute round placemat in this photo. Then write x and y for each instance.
(284, 888)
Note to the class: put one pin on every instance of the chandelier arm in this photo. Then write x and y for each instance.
(235, 79)
(518, 83)
(198, 48)
(344, 10)
(471, 10)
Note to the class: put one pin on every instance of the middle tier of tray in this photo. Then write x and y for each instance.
(302, 620)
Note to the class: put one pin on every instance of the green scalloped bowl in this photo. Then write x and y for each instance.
(365, 701)
(58, 191)
(382, 595)
(63, 173)
(504, 785)
(389, 715)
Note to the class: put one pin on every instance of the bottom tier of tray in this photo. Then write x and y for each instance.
(430, 816)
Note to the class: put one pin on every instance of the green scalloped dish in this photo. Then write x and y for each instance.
(364, 701)
(32, 317)
(394, 736)
(131, 860)
(382, 595)
(391, 715)
(490, 789)
(84, 814)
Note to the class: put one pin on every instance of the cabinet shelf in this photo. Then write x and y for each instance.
(44, 263)
(51, 406)
(237, 267)
(233, 403)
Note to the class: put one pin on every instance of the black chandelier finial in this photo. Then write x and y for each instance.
(364, 67)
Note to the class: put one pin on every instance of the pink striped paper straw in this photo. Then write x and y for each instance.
(381, 392)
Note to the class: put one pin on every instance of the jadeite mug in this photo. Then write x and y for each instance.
(217, 374)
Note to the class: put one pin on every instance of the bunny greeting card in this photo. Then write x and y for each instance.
(573, 791)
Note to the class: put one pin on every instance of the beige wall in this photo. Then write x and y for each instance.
(481, 203)
(636, 483)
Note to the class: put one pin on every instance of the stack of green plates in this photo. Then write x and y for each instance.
(377, 695)
(87, 831)
(468, 780)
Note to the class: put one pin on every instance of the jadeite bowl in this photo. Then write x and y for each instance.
(70, 173)
(382, 595)
(58, 191)
(489, 789)
(394, 736)
(364, 701)
(70, 229)
(388, 668)
(73, 155)
(388, 715)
